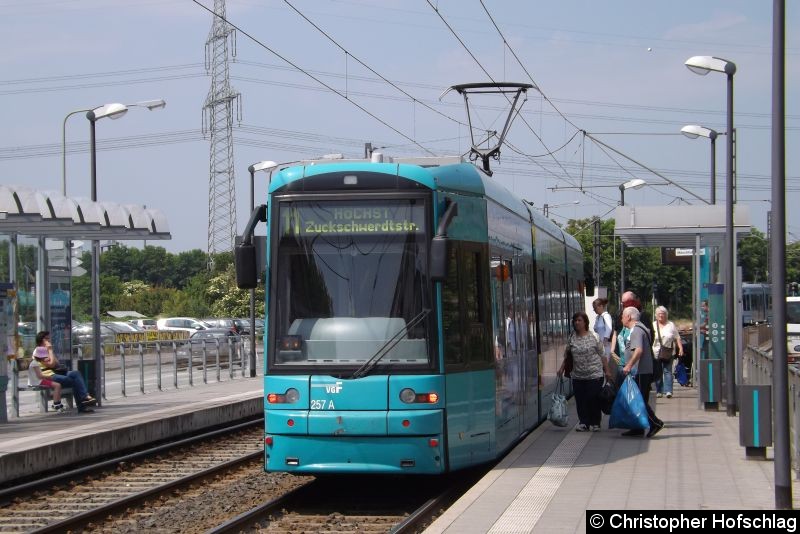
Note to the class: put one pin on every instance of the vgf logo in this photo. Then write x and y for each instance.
(333, 388)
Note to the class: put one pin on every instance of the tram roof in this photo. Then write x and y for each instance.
(447, 173)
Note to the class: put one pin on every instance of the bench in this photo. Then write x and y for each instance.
(46, 395)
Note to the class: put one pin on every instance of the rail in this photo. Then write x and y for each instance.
(143, 367)
(757, 369)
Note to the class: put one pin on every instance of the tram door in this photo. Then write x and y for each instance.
(510, 346)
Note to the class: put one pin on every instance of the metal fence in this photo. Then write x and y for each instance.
(139, 368)
(757, 369)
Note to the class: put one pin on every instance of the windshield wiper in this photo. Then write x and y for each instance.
(389, 345)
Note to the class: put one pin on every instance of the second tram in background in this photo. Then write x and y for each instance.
(416, 316)
(756, 304)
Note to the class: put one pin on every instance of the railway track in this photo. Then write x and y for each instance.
(72, 500)
(216, 483)
(354, 504)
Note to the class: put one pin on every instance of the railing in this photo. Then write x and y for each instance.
(155, 365)
(757, 369)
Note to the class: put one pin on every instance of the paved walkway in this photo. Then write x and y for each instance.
(549, 481)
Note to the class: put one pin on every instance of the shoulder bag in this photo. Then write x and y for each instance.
(665, 350)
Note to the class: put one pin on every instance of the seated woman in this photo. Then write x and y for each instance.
(37, 378)
(43, 353)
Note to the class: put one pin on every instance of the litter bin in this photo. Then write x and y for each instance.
(87, 370)
(755, 420)
(709, 373)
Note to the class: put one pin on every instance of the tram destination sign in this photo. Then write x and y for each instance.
(308, 219)
(678, 256)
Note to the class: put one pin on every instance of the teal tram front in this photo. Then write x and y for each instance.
(416, 313)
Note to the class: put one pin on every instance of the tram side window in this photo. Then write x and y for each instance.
(530, 309)
(474, 291)
(499, 274)
(543, 312)
(451, 314)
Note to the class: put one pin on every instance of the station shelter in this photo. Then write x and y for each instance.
(686, 229)
(38, 232)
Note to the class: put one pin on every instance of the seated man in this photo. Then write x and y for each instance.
(37, 378)
(70, 379)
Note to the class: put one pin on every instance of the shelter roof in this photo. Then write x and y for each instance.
(31, 212)
(678, 226)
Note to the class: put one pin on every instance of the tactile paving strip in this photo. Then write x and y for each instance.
(523, 513)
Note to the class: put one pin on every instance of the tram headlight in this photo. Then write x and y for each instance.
(292, 395)
(408, 396)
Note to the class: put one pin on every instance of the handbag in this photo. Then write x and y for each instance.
(568, 361)
(666, 350)
(681, 374)
(607, 395)
(558, 406)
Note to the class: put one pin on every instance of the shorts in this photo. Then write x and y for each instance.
(46, 383)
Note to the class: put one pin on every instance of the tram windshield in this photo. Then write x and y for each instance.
(350, 281)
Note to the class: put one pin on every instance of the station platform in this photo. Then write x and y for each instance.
(43, 442)
(548, 481)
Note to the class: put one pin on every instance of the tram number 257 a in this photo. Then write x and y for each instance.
(322, 404)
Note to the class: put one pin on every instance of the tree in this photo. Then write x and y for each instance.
(644, 274)
(752, 254)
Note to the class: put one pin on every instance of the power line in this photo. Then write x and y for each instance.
(436, 10)
(316, 79)
(373, 71)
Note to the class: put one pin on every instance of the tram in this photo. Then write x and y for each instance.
(756, 304)
(416, 315)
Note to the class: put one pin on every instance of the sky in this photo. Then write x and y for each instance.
(612, 69)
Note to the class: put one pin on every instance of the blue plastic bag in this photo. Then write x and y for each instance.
(629, 410)
(681, 374)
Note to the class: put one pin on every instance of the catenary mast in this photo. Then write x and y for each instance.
(218, 122)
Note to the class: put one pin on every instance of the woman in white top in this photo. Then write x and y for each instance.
(603, 325)
(666, 346)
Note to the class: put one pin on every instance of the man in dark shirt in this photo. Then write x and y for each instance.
(639, 359)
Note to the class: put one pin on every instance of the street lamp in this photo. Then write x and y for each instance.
(636, 183)
(547, 207)
(703, 65)
(149, 104)
(111, 111)
(693, 131)
(268, 166)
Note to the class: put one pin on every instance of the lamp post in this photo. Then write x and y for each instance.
(260, 166)
(702, 65)
(111, 111)
(636, 183)
(693, 131)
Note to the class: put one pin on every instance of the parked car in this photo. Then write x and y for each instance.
(209, 338)
(122, 327)
(83, 336)
(185, 324)
(145, 324)
(259, 325)
(237, 325)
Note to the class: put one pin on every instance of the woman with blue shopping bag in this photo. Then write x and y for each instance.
(589, 365)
